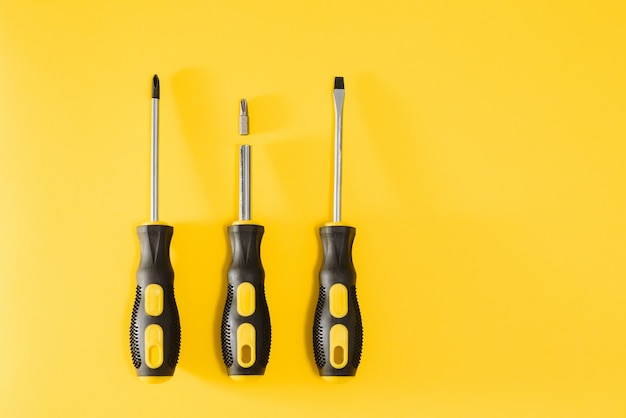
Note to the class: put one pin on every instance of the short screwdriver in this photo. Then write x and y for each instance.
(246, 332)
(337, 327)
(155, 325)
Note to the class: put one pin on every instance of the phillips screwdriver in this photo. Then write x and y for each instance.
(155, 325)
(246, 332)
(337, 327)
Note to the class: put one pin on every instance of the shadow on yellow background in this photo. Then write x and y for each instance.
(483, 170)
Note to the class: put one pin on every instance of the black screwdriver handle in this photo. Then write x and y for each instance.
(246, 330)
(337, 328)
(155, 325)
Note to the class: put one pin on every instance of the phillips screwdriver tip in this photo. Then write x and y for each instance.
(156, 88)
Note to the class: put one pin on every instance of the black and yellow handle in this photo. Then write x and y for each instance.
(337, 328)
(155, 325)
(246, 331)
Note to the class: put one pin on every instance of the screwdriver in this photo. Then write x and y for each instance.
(246, 332)
(155, 325)
(337, 327)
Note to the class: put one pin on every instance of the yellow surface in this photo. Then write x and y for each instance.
(484, 170)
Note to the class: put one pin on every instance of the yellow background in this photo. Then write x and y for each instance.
(483, 168)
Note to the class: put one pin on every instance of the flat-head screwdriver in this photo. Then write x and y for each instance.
(337, 327)
(155, 325)
(246, 332)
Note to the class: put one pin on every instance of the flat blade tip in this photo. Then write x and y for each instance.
(339, 83)
(156, 87)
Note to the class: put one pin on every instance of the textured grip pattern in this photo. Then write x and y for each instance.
(227, 350)
(134, 330)
(265, 344)
(246, 267)
(318, 330)
(358, 330)
(337, 268)
(172, 357)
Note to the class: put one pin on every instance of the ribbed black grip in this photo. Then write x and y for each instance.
(246, 269)
(227, 349)
(155, 305)
(134, 330)
(334, 354)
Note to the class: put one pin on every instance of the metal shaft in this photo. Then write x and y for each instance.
(338, 95)
(337, 188)
(244, 183)
(154, 183)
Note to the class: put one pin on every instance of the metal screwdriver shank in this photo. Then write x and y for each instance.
(154, 181)
(338, 96)
(244, 183)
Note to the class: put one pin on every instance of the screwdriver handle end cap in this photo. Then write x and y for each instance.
(336, 224)
(154, 380)
(155, 223)
(244, 223)
(336, 379)
(245, 378)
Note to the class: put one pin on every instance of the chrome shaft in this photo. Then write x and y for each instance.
(244, 183)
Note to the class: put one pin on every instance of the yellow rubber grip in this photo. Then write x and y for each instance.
(246, 299)
(338, 300)
(154, 300)
(154, 346)
(339, 346)
(246, 345)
